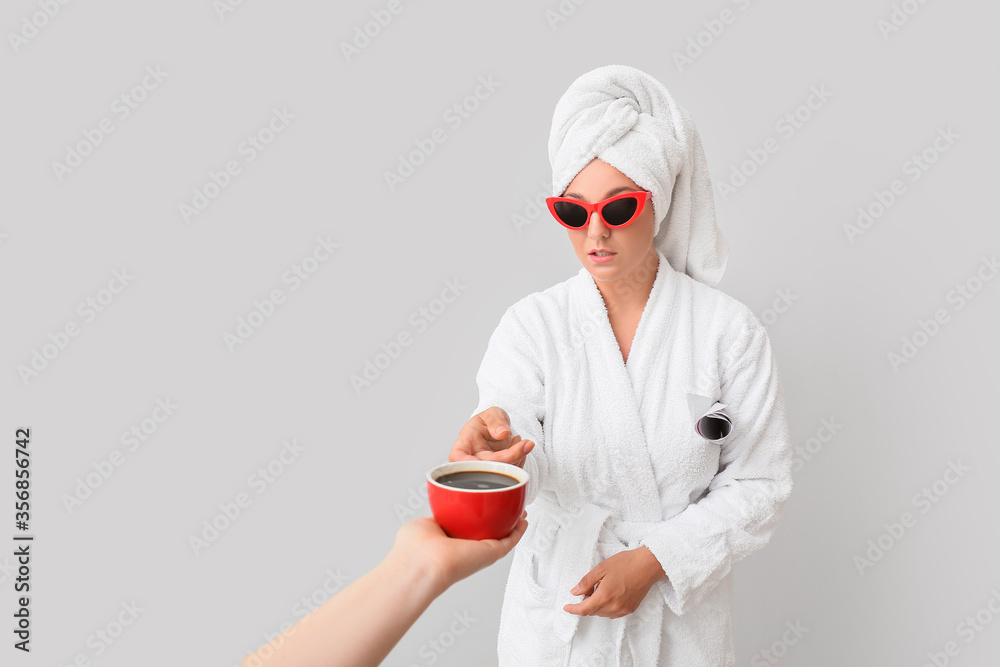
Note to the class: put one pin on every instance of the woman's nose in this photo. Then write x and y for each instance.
(596, 229)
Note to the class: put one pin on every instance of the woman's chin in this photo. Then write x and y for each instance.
(602, 271)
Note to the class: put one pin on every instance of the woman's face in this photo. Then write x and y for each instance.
(631, 245)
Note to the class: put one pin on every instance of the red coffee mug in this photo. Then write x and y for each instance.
(477, 514)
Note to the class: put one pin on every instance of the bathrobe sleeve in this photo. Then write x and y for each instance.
(511, 377)
(741, 509)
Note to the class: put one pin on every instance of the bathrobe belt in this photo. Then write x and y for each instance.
(581, 528)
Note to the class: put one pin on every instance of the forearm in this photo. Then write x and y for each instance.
(698, 547)
(359, 626)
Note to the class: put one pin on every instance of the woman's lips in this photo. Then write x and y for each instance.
(600, 259)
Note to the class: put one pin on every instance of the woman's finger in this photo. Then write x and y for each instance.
(590, 606)
(497, 422)
(519, 451)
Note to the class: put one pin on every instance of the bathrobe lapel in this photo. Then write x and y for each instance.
(619, 396)
(620, 388)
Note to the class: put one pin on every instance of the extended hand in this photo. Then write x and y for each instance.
(450, 559)
(624, 579)
(486, 437)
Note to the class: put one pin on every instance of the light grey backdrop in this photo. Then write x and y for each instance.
(888, 83)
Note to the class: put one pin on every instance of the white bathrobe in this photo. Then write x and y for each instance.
(618, 464)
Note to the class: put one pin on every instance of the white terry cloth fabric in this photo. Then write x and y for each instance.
(627, 118)
(617, 464)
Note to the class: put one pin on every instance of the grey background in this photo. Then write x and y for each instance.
(337, 506)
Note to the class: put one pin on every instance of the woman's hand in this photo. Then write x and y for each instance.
(624, 579)
(486, 437)
(422, 543)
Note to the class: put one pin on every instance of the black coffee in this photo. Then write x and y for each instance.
(477, 479)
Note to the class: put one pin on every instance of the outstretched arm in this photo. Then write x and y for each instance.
(360, 625)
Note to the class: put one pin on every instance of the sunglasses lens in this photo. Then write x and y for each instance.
(620, 211)
(573, 215)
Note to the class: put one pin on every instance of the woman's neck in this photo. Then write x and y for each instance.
(630, 293)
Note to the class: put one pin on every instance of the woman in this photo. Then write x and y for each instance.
(597, 386)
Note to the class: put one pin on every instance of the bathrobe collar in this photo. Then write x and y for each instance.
(664, 285)
(624, 384)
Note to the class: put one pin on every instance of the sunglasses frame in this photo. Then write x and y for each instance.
(642, 195)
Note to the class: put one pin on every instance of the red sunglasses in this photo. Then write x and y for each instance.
(618, 211)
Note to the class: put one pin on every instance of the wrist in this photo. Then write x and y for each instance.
(417, 573)
(655, 570)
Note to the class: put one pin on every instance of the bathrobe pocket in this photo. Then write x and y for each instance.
(710, 418)
(701, 464)
(542, 596)
(530, 611)
(694, 460)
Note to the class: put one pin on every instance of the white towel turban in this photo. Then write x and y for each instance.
(628, 119)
